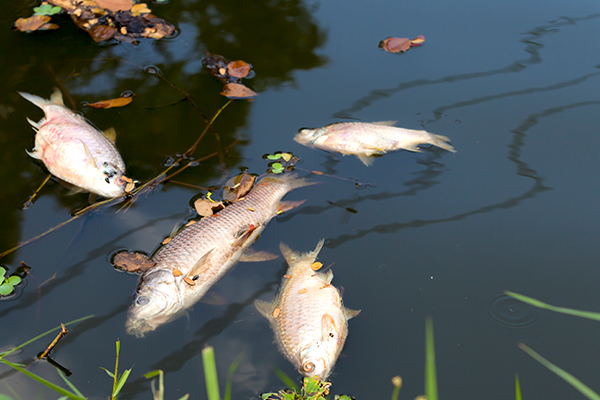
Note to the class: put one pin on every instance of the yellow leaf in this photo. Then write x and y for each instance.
(286, 156)
(118, 102)
(32, 23)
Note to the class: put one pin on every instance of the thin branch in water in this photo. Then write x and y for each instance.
(29, 202)
(52, 345)
(189, 185)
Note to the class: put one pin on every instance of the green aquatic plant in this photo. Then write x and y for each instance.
(312, 389)
(46, 9)
(117, 382)
(517, 388)
(540, 304)
(430, 373)
(7, 284)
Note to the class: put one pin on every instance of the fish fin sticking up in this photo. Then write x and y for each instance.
(289, 178)
(255, 256)
(351, 313)
(385, 123)
(442, 142)
(111, 134)
(264, 308)
(328, 329)
(285, 206)
(368, 161)
(36, 125)
(325, 276)
(291, 256)
(33, 154)
(199, 267)
(55, 98)
(88, 154)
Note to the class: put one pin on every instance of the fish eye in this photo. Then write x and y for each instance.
(142, 301)
(106, 180)
(308, 367)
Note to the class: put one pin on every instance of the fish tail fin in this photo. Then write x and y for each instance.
(292, 256)
(55, 98)
(290, 178)
(442, 142)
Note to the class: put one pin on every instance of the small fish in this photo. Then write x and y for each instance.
(368, 140)
(74, 151)
(202, 253)
(307, 315)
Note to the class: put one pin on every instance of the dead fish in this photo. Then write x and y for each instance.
(75, 151)
(307, 315)
(202, 253)
(367, 140)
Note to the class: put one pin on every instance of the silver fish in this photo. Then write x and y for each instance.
(75, 151)
(307, 315)
(201, 254)
(367, 140)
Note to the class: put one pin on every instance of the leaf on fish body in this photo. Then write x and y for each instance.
(206, 207)
(238, 69)
(118, 102)
(132, 262)
(32, 23)
(115, 5)
(237, 91)
(238, 186)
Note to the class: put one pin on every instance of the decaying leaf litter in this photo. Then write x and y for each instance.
(103, 20)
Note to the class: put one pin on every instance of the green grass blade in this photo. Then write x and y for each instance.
(5, 397)
(540, 304)
(517, 388)
(108, 372)
(44, 334)
(184, 397)
(121, 382)
(161, 387)
(567, 377)
(43, 381)
(12, 391)
(397, 382)
(430, 376)
(287, 381)
(210, 373)
(70, 384)
(229, 381)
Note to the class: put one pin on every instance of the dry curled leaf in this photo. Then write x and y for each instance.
(47, 27)
(237, 91)
(133, 262)
(115, 5)
(395, 45)
(238, 69)
(32, 23)
(206, 207)
(118, 102)
(140, 8)
(238, 186)
(100, 33)
(419, 40)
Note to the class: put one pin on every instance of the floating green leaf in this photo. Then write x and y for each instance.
(46, 9)
(276, 156)
(277, 168)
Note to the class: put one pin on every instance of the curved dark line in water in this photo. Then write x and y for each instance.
(178, 358)
(78, 269)
(531, 47)
(514, 155)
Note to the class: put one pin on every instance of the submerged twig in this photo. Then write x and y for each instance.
(60, 335)
(29, 201)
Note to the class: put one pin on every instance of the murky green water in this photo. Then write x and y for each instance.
(514, 85)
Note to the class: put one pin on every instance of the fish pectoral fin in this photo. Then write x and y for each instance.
(351, 313)
(264, 308)
(244, 235)
(255, 256)
(285, 206)
(35, 125)
(328, 329)
(385, 123)
(413, 147)
(325, 276)
(33, 154)
(368, 161)
(199, 267)
(88, 154)
(111, 134)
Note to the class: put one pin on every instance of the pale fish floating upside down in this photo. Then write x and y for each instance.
(74, 151)
(307, 315)
(367, 140)
(202, 253)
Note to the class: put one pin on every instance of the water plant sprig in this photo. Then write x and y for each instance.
(118, 382)
(46, 9)
(7, 284)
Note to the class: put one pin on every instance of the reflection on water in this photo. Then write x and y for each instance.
(511, 313)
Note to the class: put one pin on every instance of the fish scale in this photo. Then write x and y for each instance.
(205, 252)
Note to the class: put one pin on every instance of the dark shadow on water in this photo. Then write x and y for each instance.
(532, 47)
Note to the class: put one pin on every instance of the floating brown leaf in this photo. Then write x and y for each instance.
(118, 102)
(32, 23)
(419, 40)
(140, 8)
(238, 69)
(100, 33)
(133, 262)
(395, 45)
(48, 26)
(206, 207)
(217, 66)
(115, 5)
(237, 91)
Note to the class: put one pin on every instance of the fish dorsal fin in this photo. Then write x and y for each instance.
(88, 154)
(111, 134)
(351, 313)
(291, 256)
(285, 206)
(264, 308)
(326, 276)
(328, 329)
(57, 97)
(385, 123)
(198, 268)
(255, 256)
